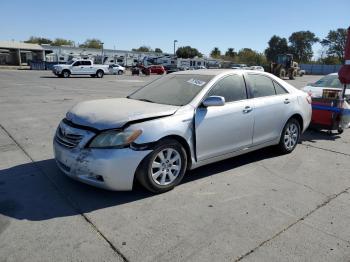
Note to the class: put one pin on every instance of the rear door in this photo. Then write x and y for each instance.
(224, 129)
(87, 67)
(272, 104)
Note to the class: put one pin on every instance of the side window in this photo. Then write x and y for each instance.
(261, 85)
(232, 88)
(87, 63)
(77, 63)
(279, 89)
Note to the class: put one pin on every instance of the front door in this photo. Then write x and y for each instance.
(224, 129)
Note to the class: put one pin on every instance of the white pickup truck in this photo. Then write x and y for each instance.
(80, 67)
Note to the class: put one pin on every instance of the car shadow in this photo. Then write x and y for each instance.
(313, 135)
(55, 77)
(40, 191)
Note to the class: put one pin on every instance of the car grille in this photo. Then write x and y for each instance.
(67, 140)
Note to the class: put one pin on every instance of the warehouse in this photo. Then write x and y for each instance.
(18, 53)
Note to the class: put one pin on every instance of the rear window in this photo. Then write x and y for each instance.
(261, 85)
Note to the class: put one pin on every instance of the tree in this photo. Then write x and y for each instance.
(335, 43)
(277, 45)
(158, 50)
(61, 41)
(301, 45)
(230, 53)
(143, 49)
(92, 43)
(329, 60)
(215, 53)
(251, 57)
(187, 52)
(38, 40)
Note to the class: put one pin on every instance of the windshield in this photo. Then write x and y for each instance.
(70, 62)
(328, 81)
(175, 90)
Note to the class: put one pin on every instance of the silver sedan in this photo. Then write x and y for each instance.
(179, 122)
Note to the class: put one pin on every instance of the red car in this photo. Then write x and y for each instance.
(156, 69)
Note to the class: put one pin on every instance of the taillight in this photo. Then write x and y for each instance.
(309, 99)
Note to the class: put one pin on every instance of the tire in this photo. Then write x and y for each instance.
(65, 73)
(120, 72)
(154, 173)
(99, 74)
(292, 75)
(282, 73)
(340, 130)
(289, 137)
(93, 76)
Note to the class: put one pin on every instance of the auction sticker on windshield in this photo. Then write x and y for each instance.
(196, 82)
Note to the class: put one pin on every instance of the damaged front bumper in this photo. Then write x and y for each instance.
(111, 169)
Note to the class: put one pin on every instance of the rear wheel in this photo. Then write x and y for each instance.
(164, 168)
(99, 73)
(292, 75)
(290, 136)
(282, 73)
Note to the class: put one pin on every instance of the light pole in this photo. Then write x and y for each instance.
(102, 53)
(175, 41)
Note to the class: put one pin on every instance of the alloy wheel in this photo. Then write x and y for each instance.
(166, 166)
(291, 136)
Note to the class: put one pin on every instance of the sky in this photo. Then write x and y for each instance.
(201, 24)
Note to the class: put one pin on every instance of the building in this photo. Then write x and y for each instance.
(18, 53)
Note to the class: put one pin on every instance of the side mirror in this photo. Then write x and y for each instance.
(214, 101)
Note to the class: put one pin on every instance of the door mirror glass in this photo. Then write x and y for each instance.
(214, 101)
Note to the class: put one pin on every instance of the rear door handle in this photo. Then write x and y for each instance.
(286, 101)
(247, 109)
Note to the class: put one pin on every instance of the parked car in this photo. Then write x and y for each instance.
(330, 81)
(178, 122)
(116, 69)
(171, 69)
(80, 67)
(239, 66)
(156, 69)
(301, 72)
(257, 68)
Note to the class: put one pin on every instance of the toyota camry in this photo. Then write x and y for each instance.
(178, 122)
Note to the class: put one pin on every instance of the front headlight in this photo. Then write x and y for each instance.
(115, 138)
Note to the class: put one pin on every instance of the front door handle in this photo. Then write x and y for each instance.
(286, 101)
(247, 109)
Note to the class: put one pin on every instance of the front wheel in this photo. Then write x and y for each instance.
(164, 168)
(65, 73)
(120, 72)
(290, 136)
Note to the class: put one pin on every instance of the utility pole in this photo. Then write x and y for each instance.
(175, 41)
(102, 54)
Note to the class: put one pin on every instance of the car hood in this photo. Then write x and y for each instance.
(114, 113)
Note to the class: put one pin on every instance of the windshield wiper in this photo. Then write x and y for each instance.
(145, 100)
